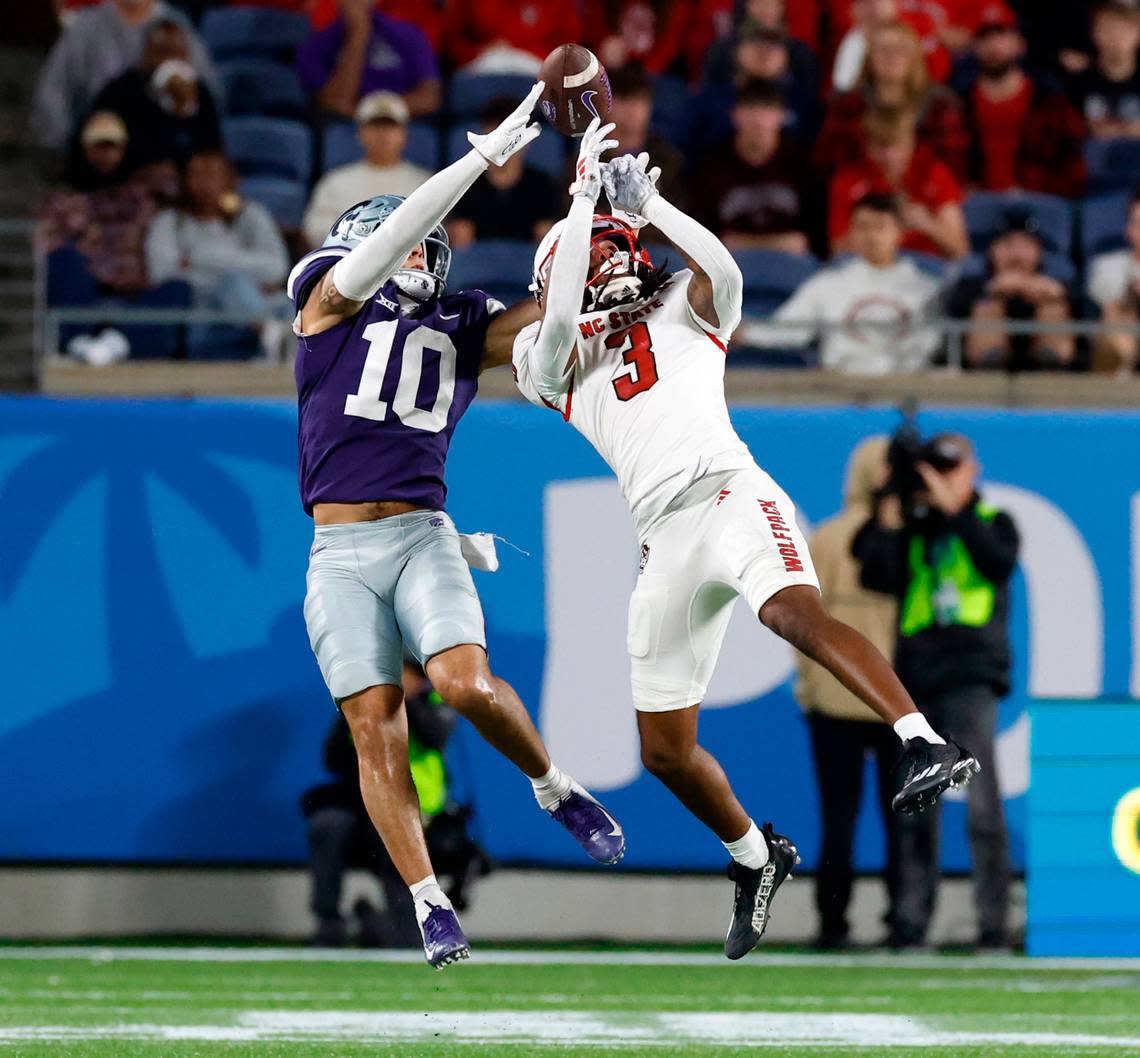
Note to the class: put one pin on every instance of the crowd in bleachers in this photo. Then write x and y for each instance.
(874, 164)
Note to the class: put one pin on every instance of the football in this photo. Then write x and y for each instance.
(577, 89)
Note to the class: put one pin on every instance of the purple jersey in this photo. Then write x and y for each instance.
(380, 393)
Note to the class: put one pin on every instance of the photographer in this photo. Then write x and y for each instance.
(948, 556)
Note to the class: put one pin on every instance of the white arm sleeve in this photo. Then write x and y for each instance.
(557, 336)
(363, 271)
(710, 255)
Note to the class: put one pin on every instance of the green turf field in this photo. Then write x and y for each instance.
(258, 1003)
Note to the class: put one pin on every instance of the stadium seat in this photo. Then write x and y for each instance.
(262, 87)
(771, 277)
(269, 147)
(229, 32)
(340, 146)
(985, 209)
(670, 107)
(928, 263)
(1102, 224)
(1056, 265)
(285, 199)
(468, 93)
(547, 153)
(1113, 164)
(499, 266)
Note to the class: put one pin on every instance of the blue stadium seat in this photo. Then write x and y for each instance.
(251, 31)
(670, 107)
(499, 266)
(771, 277)
(468, 93)
(340, 146)
(547, 153)
(285, 199)
(262, 87)
(984, 211)
(928, 263)
(1102, 223)
(1113, 164)
(1056, 265)
(269, 147)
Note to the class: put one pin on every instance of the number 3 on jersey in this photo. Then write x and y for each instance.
(639, 356)
(406, 402)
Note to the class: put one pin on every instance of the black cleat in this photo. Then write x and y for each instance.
(755, 890)
(927, 771)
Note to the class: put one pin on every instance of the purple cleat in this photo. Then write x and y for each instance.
(590, 825)
(444, 942)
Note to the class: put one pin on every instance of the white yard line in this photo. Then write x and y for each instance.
(497, 957)
(746, 1030)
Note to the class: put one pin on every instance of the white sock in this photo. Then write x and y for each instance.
(550, 788)
(750, 850)
(427, 894)
(915, 725)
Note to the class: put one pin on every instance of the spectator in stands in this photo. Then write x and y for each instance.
(93, 236)
(1107, 91)
(869, 15)
(1025, 133)
(515, 201)
(759, 190)
(228, 249)
(429, 15)
(98, 44)
(169, 113)
(872, 309)
(843, 729)
(894, 79)
(1114, 285)
(509, 36)
(759, 54)
(772, 15)
(650, 33)
(382, 128)
(1015, 286)
(364, 51)
(929, 196)
(631, 111)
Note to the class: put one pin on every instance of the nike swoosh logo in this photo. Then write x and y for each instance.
(453, 316)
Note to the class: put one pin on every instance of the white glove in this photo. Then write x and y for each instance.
(513, 134)
(629, 187)
(588, 171)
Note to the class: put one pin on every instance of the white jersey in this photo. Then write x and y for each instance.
(647, 391)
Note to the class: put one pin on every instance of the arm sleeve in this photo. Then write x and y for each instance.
(879, 554)
(370, 265)
(993, 544)
(701, 246)
(549, 355)
(163, 258)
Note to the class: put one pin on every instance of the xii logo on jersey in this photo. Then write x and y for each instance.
(785, 542)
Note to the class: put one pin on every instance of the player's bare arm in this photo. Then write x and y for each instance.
(503, 330)
(360, 273)
(716, 289)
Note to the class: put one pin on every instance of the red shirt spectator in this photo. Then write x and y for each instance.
(853, 20)
(532, 27)
(894, 78)
(650, 34)
(1025, 133)
(931, 197)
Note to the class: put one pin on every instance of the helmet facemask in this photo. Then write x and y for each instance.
(617, 279)
(423, 284)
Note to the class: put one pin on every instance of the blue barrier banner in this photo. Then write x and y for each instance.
(1084, 829)
(161, 702)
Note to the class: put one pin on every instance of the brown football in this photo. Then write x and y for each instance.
(577, 89)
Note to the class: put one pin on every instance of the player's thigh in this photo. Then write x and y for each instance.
(352, 630)
(756, 543)
(677, 622)
(436, 604)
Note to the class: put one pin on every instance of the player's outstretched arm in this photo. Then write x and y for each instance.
(359, 274)
(562, 293)
(717, 288)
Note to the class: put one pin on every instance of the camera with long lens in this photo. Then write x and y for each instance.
(907, 449)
